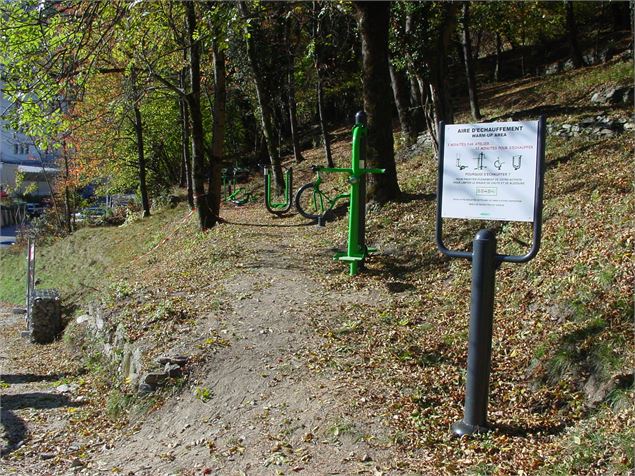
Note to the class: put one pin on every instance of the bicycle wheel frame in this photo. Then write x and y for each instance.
(311, 202)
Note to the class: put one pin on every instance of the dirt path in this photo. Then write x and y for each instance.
(257, 406)
(35, 404)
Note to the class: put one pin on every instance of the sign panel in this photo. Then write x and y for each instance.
(489, 171)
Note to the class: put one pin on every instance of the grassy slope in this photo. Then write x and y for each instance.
(560, 319)
(83, 264)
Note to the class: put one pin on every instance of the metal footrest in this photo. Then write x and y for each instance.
(347, 257)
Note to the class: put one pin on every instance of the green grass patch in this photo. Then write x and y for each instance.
(83, 264)
(12, 276)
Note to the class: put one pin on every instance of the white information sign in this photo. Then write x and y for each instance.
(489, 171)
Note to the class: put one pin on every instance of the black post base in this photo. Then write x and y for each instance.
(461, 428)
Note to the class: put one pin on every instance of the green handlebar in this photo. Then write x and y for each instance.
(350, 171)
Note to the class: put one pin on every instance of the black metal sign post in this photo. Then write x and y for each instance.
(485, 260)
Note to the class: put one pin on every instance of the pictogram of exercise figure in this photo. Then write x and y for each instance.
(458, 163)
(479, 162)
(498, 164)
(516, 161)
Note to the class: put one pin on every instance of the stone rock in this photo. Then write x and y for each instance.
(173, 370)
(120, 337)
(83, 318)
(587, 122)
(135, 364)
(99, 322)
(628, 96)
(154, 378)
(598, 98)
(616, 126)
(179, 360)
(131, 363)
(606, 54)
(568, 65)
(629, 125)
(552, 69)
(589, 58)
(597, 391)
(145, 389)
(124, 367)
(623, 95)
(66, 388)
(606, 132)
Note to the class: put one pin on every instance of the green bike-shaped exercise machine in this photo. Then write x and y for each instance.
(312, 203)
(278, 208)
(231, 192)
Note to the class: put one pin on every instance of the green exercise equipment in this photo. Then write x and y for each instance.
(278, 208)
(231, 192)
(356, 250)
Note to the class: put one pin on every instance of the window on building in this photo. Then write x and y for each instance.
(26, 149)
(15, 148)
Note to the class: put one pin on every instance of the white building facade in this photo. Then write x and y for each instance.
(20, 158)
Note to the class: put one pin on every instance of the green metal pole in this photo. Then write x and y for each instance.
(361, 118)
(353, 209)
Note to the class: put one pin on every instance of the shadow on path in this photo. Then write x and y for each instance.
(15, 429)
(263, 225)
(13, 379)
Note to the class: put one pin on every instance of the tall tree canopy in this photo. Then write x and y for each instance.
(146, 96)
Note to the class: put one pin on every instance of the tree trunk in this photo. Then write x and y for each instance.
(426, 105)
(325, 135)
(68, 209)
(319, 87)
(439, 85)
(401, 94)
(416, 93)
(293, 116)
(218, 130)
(186, 145)
(183, 164)
(264, 101)
(418, 117)
(477, 47)
(141, 160)
(373, 19)
(497, 66)
(143, 188)
(572, 34)
(621, 15)
(468, 60)
(205, 216)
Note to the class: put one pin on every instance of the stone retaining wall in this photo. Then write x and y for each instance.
(45, 316)
(109, 339)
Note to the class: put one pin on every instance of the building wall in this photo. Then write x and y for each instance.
(14, 146)
(17, 149)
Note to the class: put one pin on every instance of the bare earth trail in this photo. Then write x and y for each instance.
(256, 405)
